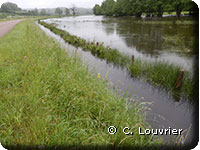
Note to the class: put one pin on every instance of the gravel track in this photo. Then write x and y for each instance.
(6, 26)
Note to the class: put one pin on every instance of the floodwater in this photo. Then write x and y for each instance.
(170, 40)
(145, 41)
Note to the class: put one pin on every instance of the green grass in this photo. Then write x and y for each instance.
(2, 16)
(48, 98)
(156, 21)
(174, 13)
(7, 17)
(159, 73)
(164, 74)
(170, 13)
(165, 21)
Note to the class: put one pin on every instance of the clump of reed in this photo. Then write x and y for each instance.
(165, 75)
(159, 73)
(97, 49)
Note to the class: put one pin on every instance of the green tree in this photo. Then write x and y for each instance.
(43, 12)
(123, 8)
(58, 11)
(138, 7)
(150, 8)
(159, 6)
(33, 12)
(9, 7)
(97, 10)
(178, 6)
(66, 11)
(117, 8)
(192, 7)
(36, 11)
(107, 7)
(73, 9)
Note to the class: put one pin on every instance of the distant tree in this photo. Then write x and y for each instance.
(9, 7)
(73, 9)
(30, 12)
(33, 12)
(67, 11)
(97, 10)
(43, 12)
(58, 11)
(36, 12)
(150, 7)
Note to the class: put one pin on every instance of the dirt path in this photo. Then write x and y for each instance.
(6, 26)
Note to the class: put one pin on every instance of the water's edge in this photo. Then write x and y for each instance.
(163, 112)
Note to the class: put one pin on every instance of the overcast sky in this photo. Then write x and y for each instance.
(53, 3)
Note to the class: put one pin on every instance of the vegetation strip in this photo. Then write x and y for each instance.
(158, 73)
(49, 98)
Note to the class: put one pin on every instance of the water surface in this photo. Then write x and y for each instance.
(170, 40)
(164, 110)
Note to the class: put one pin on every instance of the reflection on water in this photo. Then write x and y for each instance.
(171, 40)
(163, 111)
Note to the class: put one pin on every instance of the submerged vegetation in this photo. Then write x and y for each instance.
(159, 73)
(48, 98)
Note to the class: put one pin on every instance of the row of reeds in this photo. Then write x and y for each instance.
(159, 73)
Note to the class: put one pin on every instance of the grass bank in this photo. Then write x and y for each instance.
(159, 73)
(47, 98)
(7, 17)
(156, 21)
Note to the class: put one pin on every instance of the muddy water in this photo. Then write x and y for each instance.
(163, 110)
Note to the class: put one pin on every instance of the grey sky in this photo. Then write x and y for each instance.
(53, 3)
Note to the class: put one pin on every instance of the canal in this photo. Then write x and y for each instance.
(167, 40)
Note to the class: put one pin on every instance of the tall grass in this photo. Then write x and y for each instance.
(48, 99)
(159, 73)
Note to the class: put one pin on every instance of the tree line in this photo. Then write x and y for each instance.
(150, 8)
(11, 8)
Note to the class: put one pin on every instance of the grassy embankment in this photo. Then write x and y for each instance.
(2, 16)
(7, 17)
(171, 13)
(48, 98)
(158, 73)
(190, 20)
(165, 21)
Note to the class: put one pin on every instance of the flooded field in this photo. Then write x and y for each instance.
(168, 40)
(151, 41)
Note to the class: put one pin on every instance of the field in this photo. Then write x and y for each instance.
(48, 98)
